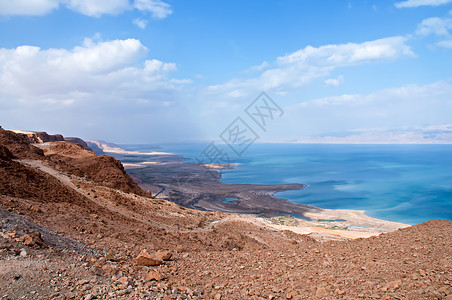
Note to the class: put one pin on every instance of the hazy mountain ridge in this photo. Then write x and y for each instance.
(439, 134)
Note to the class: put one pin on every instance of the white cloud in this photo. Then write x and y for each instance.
(439, 27)
(335, 81)
(351, 53)
(157, 8)
(108, 68)
(445, 44)
(96, 8)
(140, 23)
(27, 7)
(405, 114)
(92, 8)
(303, 66)
(98, 89)
(435, 26)
(408, 92)
(417, 3)
(260, 67)
(405, 106)
(104, 56)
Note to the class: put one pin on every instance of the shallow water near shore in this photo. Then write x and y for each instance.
(403, 183)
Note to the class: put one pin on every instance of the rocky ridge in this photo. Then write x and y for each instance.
(34, 137)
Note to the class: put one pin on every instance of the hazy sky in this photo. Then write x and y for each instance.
(149, 71)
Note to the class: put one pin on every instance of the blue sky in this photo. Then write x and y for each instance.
(149, 71)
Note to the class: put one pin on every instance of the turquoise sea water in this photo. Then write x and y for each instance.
(403, 183)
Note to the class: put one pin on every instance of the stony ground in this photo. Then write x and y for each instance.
(407, 264)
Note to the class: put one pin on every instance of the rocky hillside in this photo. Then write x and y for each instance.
(79, 141)
(39, 136)
(34, 137)
(70, 157)
(68, 232)
(102, 169)
(18, 145)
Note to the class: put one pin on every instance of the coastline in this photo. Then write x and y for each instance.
(333, 224)
(199, 186)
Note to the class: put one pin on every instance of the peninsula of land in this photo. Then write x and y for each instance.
(199, 186)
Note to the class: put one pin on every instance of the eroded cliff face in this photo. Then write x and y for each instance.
(38, 137)
(35, 137)
(18, 145)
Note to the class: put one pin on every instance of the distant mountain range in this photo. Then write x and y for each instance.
(441, 134)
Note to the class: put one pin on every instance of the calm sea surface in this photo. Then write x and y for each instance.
(403, 183)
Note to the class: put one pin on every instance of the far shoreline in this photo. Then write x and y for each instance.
(187, 184)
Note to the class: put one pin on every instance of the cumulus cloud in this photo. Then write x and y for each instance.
(26, 7)
(303, 66)
(92, 8)
(439, 27)
(417, 3)
(107, 68)
(157, 8)
(436, 26)
(105, 89)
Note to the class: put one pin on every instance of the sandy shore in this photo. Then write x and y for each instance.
(333, 224)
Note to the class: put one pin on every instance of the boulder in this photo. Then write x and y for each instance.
(154, 275)
(34, 239)
(125, 281)
(110, 256)
(146, 259)
(164, 255)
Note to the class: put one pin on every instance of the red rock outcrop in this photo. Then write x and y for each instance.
(102, 169)
(18, 145)
(71, 157)
(33, 137)
(36, 137)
